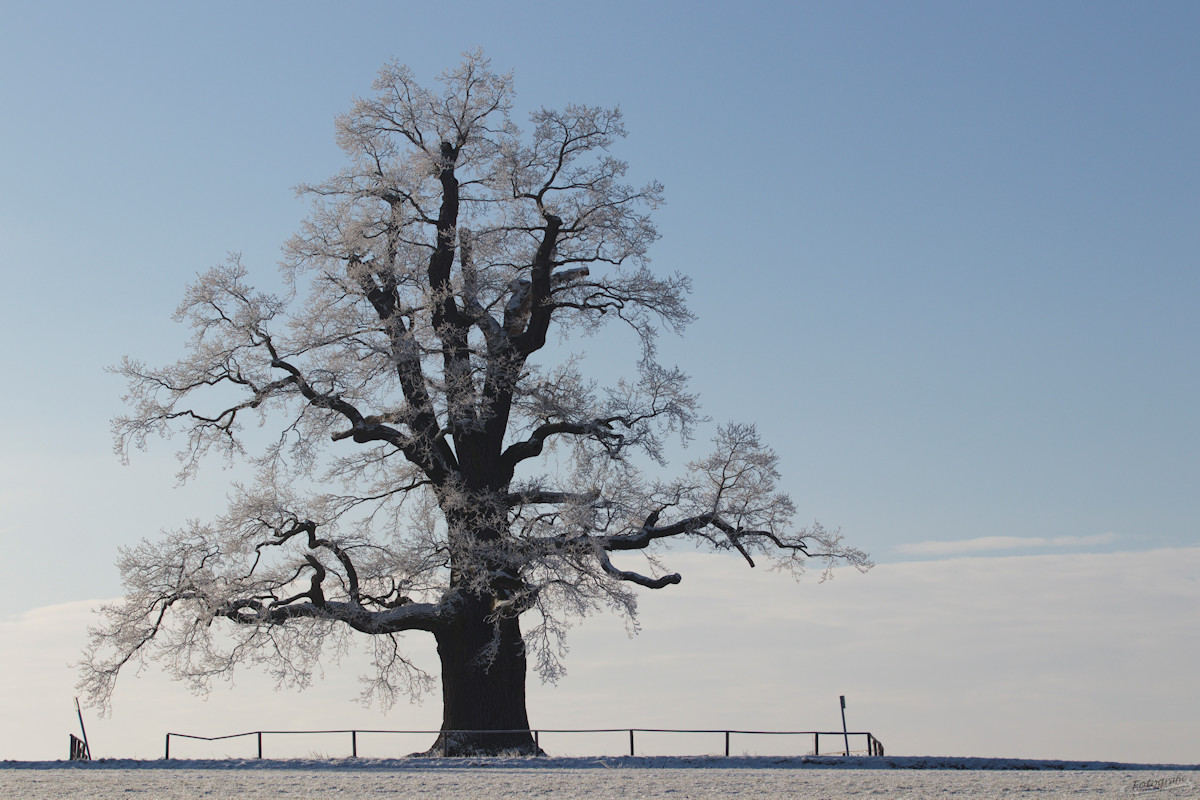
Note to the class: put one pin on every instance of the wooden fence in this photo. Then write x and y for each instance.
(873, 746)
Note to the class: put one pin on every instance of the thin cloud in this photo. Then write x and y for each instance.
(944, 657)
(995, 543)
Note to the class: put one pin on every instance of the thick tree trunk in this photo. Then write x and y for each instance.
(483, 686)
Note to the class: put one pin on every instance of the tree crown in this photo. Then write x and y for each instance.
(423, 457)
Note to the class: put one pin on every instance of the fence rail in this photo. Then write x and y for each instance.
(874, 746)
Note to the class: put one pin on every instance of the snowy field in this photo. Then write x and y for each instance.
(677, 778)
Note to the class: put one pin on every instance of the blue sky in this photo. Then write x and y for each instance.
(943, 253)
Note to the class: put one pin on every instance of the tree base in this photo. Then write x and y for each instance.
(483, 743)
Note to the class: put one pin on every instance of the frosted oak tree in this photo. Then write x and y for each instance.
(423, 471)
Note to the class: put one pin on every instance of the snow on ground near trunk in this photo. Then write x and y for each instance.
(566, 778)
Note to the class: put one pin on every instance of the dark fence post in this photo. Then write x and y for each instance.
(536, 744)
(727, 744)
(260, 744)
(87, 750)
(354, 744)
(79, 749)
(631, 741)
(845, 731)
(167, 750)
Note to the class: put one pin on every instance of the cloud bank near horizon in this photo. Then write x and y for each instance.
(1084, 656)
(935, 549)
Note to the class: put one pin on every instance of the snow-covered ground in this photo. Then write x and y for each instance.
(677, 778)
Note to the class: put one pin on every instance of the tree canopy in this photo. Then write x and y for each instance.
(416, 467)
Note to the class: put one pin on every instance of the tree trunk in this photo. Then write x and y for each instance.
(483, 685)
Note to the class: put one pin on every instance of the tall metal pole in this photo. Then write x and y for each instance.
(845, 733)
(82, 729)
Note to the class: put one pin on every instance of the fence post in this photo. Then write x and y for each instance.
(259, 744)
(816, 743)
(631, 741)
(727, 744)
(845, 731)
(167, 750)
(536, 744)
(354, 744)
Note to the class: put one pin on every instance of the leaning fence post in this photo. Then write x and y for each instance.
(167, 749)
(87, 750)
(845, 731)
